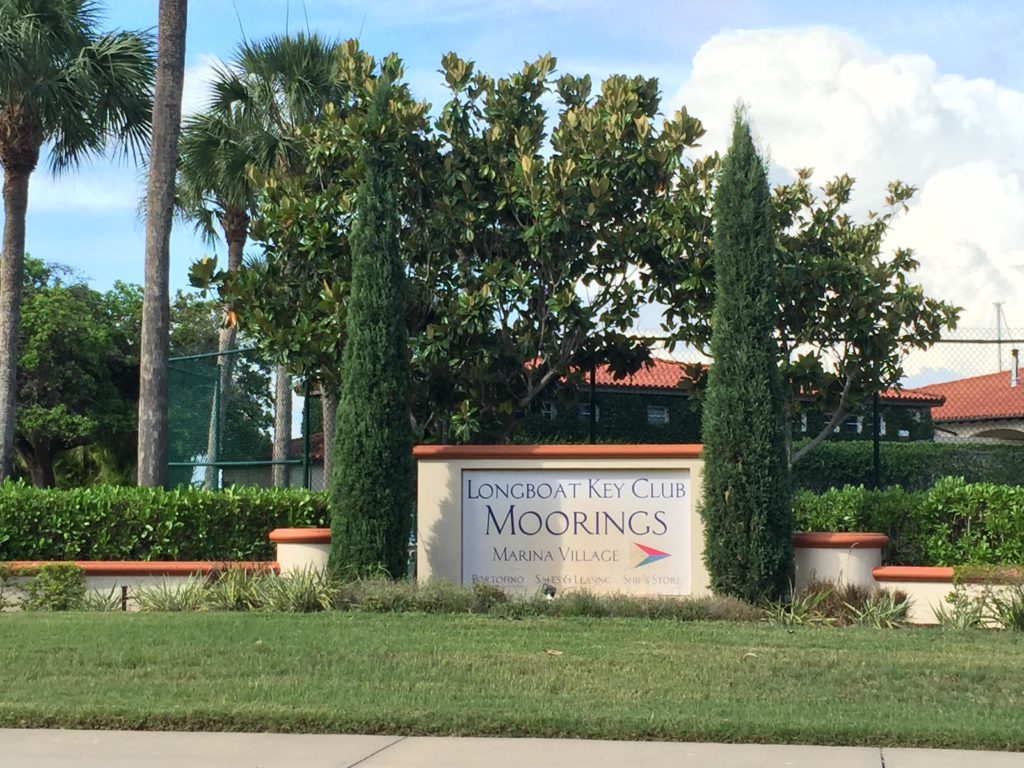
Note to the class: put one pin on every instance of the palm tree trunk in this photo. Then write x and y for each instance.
(170, 74)
(225, 362)
(282, 424)
(329, 406)
(11, 268)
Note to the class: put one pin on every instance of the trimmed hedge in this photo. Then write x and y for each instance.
(953, 523)
(912, 466)
(124, 523)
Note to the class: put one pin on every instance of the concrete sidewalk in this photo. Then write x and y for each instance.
(135, 749)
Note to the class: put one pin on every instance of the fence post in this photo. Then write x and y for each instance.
(593, 405)
(305, 434)
(876, 440)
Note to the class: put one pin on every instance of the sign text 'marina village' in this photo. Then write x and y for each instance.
(582, 528)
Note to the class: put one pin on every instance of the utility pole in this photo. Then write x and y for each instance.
(999, 332)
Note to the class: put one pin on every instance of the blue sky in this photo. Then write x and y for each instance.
(930, 92)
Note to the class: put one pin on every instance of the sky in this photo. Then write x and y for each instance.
(931, 93)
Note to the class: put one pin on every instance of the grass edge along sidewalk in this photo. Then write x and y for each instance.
(417, 674)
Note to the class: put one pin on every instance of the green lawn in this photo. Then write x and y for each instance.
(423, 674)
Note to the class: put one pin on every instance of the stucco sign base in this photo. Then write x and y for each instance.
(604, 519)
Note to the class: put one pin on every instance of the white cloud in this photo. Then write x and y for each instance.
(196, 90)
(107, 187)
(826, 100)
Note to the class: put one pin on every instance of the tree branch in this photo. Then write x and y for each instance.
(840, 413)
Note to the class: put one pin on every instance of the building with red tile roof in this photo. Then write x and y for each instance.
(988, 407)
(669, 376)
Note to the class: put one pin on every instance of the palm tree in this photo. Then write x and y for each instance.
(216, 187)
(170, 77)
(251, 128)
(68, 86)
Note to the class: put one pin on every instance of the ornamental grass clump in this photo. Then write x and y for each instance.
(173, 597)
(305, 591)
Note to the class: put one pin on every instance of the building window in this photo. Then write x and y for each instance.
(585, 412)
(854, 424)
(547, 409)
(803, 423)
(657, 414)
(881, 425)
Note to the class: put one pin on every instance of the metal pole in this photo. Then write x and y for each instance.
(999, 333)
(593, 404)
(876, 438)
(305, 434)
(212, 479)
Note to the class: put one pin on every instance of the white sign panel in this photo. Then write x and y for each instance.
(601, 530)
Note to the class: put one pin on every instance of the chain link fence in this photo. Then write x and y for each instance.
(958, 412)
(221, 420)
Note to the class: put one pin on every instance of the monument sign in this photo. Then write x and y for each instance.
(602, 529)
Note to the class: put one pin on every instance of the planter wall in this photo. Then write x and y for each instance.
(302, 549)
(839, 558)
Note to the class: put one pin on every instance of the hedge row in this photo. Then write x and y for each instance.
(123, 523)
(953, 523)
(912, 466)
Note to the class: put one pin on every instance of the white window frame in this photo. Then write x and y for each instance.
(662, 417)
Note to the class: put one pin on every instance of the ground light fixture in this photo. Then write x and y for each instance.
(548, 591)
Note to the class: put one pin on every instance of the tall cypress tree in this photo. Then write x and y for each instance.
(747, 511)
(372, 484)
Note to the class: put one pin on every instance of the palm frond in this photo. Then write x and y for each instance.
(84, 89)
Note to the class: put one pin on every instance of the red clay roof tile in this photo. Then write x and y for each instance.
(979, 397)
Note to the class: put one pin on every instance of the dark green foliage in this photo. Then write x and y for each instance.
(747, 516)
(912, 466)
(55, 587)
(622, 419)
(954, 523)
(893, 512)
(77, 370)
(372, 487)
(124, 523)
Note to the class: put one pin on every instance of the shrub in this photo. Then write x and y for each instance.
(961, 611)
(979, 523)
(954, 523)
(746, 507)
(55, 587)
(894, 512)
(122, 523)
(372, 488)
(912, 466)
(988, 574)
(1007, 608)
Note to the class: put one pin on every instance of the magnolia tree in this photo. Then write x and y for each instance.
(546, 235)
(523, 262)
(848, 312)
